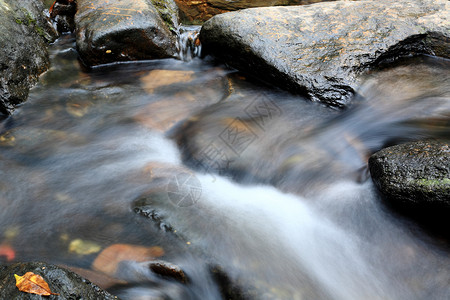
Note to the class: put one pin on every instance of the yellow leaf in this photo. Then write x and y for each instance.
(82, 247)
(33, 284)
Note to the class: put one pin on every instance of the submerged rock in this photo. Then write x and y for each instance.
(61, 281)
(320, 50)
(415, 174)
(110, 31)
(238, 136)
(24, 34)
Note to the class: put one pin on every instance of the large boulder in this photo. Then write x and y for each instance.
(321, 49)
(415, 174)
(115, 30)
(61, 281)
(24, 34)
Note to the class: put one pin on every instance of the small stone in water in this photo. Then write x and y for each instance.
(167, 269)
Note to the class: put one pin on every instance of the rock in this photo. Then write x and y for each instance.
(167, 269)
(25, 32)
(102, 280)
(197, 11)
(238, 136)
(242, 4)
(61, 281)
(62, 13)
(110, 31)
(415, 88)
(320, 50)
(415, 174)
(168, 10)
(195, 91)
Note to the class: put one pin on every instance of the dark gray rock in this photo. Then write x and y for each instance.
(61, 281)
(415, 174)
(167, 269)
(321, 49)
(62, 12)
(114, 30)
(24, 34)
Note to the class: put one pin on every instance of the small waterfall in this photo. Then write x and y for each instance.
(188, 43)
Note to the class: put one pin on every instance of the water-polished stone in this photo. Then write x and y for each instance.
(321, 49)
(414, 174)
(113, 30)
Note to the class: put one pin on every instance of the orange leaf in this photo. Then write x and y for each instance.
(108, 260)
(7, 251)
(33, 284)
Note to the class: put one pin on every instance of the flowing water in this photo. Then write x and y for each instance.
(99, 157)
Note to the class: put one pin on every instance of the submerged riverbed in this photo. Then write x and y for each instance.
(102, 157)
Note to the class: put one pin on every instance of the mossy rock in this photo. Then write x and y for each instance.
(414, 174)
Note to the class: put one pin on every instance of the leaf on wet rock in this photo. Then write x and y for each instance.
(33, 284)
(83, 247)
(108, 260)
(159, 78)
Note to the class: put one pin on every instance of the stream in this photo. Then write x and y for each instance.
(102, 157)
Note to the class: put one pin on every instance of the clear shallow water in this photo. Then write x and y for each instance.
(290, 215)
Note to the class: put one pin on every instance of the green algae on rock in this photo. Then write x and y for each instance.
(414, 174)
(24, 34)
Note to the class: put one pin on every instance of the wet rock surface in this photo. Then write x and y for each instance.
(110, 31)
(320, 50)
(62, 13)
(414, 174)
(25, 33)
(198, 11)
(167, 269)
(61, 281)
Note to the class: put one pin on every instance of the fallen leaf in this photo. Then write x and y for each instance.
(33, 284)
(7, 251)
(82, 247)
(108, 260)
(11, 232)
